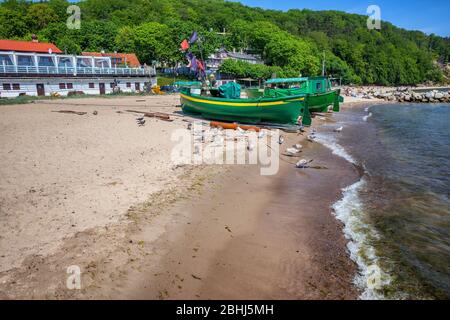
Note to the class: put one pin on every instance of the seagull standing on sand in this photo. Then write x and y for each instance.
(311, 137)
(140, 121)
(302, 164)
(292, 151)
(338, 129)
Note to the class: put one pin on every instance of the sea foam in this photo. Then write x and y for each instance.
(365, 118)
(331, 143)
(349, 210)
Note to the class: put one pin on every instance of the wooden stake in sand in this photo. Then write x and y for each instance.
(71, 112)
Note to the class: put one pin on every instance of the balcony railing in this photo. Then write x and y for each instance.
(31, 70)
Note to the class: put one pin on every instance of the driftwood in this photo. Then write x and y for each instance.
(234, 126)
(70, 111)
(159, 115)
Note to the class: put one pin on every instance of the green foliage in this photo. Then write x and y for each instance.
(243, 69)
(291, 43)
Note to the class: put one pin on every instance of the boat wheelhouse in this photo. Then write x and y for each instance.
(318, 91)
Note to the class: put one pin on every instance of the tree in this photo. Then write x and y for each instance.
(12, 24)
(39, 16)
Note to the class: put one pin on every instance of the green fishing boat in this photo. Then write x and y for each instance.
(230, 107)
(319, 95)
(254, 92)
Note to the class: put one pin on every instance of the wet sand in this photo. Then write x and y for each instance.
(248, 236)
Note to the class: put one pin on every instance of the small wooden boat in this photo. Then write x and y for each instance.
(284, 110)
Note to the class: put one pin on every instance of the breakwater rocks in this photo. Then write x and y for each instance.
(401, 94)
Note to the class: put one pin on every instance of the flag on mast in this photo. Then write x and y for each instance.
(184, 45)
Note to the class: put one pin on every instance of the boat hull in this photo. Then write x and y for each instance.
(320, 102)
(280, 111)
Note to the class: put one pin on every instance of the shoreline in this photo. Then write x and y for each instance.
(117, 260)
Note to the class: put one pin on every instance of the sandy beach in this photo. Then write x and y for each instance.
(100, 192)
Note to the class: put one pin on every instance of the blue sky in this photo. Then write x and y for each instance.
(432, 16)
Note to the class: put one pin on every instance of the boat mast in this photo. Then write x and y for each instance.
(323, 64)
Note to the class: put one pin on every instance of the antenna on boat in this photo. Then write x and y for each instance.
(323, 64)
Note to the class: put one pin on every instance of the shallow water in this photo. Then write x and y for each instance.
(398, 215)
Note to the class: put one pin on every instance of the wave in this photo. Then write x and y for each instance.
(349, 210)
(331, 143)
(360, 234)
(365, 118)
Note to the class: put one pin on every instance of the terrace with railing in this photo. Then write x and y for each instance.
(35, 64)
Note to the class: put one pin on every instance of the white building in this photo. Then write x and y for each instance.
(40, 69)
(216, 59)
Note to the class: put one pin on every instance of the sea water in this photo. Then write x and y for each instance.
(397, 217)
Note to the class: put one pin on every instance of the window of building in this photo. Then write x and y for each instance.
(26, 61)
(69, 86)
(64, 62)
(91, 85)
(128, 84)
(6, 86)
(84, 62)
(62, 85)
(16, 86)
(5, 60)
(45, 62)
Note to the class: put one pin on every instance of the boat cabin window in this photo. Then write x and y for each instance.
(26, 61)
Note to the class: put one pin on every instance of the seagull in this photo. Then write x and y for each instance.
(140, 122)
(292, 151)
(311, 138)
(338, 129)
(297, 146)
(303, 163)
(281, 140)
(241, 131)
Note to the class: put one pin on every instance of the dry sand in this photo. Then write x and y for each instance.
(63, 173)
(99, 192)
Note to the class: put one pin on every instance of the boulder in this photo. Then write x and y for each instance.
(429, 95)
(438, 95)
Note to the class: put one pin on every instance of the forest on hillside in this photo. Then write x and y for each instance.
(290, 43)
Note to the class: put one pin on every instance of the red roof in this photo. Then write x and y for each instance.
(27, 46)
(130, 58)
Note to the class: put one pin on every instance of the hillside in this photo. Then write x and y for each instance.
(290, 42)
